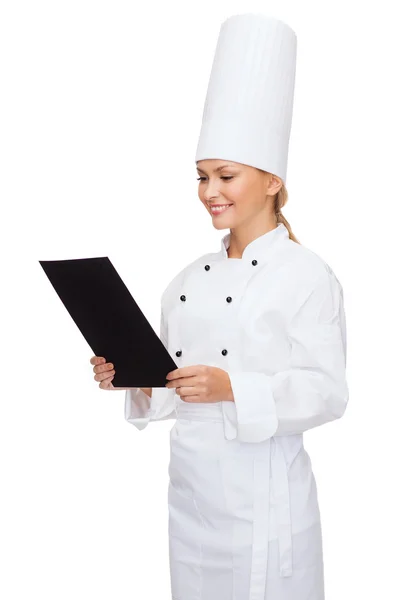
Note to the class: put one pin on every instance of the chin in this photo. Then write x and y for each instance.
(220, 226)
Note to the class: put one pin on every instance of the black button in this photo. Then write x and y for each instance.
(183, 298)
(254, 262)
(207, 267)
(178, 353)
(224, 351)
(229, 299)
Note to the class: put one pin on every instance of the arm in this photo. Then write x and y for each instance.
(150, 404)
(313, 390)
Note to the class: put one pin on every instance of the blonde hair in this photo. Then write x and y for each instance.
(280, 200)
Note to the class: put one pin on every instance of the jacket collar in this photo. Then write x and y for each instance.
(258, 245)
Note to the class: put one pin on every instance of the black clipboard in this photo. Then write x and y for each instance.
(110, 320)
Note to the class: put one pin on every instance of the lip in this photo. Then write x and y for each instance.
(215, 213)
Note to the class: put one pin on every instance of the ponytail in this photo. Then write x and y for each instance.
(280, 201)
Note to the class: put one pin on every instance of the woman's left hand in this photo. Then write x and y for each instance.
(201, 383)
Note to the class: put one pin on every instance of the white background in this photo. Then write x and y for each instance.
(101, 105)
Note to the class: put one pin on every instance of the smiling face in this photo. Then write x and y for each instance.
(244, 192)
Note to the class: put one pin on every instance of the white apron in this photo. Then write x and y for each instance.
(244, 520)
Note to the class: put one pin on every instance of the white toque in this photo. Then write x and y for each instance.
(249, 103)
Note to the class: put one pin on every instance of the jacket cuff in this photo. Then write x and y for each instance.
(252, 416)
(139, 408)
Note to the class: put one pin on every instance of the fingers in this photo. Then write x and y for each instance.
(96, 360)
(106, 384)
(185, 381)
(100, 365)
(106, 373)
(103, 368)
(192, 399)
(189, 391)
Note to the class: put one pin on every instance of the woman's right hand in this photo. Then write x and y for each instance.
(104, 372)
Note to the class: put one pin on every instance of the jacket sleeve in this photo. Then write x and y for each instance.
(313, 390)
(139, 408)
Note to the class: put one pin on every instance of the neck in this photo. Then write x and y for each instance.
(242, 236)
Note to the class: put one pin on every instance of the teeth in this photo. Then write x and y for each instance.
(218, 209)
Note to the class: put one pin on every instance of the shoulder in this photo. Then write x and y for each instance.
(305, 266)
(308, 279)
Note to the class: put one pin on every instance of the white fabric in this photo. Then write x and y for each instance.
(244, 521)
(248, 107)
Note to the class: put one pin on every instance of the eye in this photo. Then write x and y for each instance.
(226, 178)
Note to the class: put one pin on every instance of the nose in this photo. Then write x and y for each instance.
(210, 191)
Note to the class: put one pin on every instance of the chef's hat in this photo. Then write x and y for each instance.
(249, 103)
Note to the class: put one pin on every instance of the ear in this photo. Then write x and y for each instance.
(274, 184)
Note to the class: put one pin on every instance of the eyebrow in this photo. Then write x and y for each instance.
(217, 169)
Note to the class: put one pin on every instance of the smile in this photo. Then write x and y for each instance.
(219, 209)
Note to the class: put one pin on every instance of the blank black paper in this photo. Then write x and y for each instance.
(110, 320)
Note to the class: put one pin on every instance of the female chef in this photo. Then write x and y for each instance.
(257, 330)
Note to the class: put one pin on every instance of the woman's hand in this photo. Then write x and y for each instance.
(201, 383)
(104, 373)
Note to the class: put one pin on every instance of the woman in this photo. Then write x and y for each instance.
(258, 333)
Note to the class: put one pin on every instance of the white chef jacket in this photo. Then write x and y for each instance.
(244, 520)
